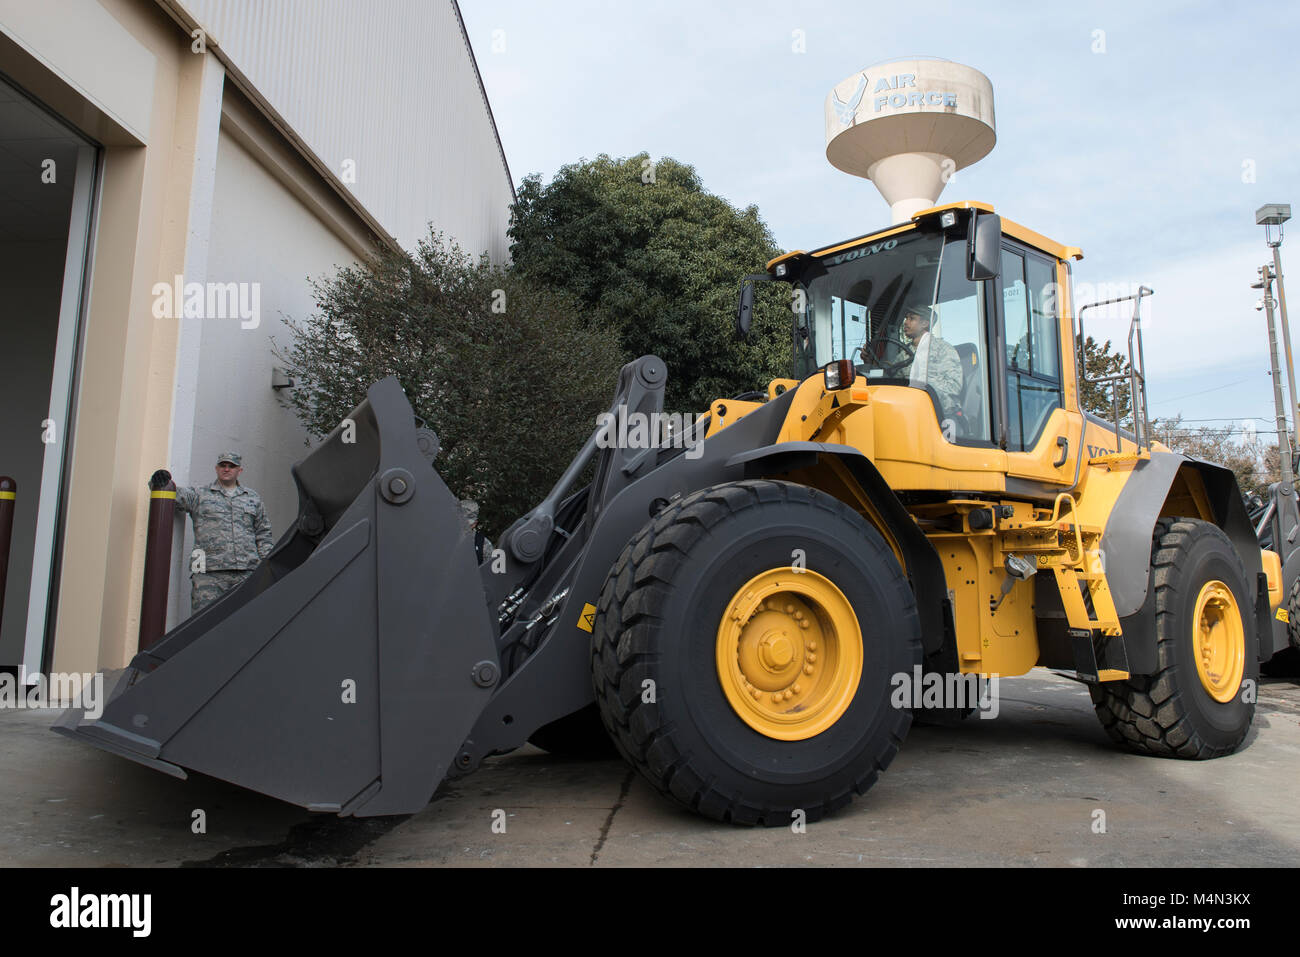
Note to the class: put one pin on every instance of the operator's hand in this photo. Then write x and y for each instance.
(159, 480)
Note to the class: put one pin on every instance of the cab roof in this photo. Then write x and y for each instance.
(1010, 228)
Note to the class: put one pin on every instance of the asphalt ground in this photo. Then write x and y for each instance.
(1039, 785)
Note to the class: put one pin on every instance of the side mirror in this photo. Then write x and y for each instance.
(983, 246)
(745, 311)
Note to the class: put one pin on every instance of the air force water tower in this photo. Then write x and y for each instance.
(908, 125)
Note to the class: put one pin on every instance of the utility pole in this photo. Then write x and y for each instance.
(1270, 217)
(1283, 437)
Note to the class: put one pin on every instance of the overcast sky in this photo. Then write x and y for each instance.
(1152, 155)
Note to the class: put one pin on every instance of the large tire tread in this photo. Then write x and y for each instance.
(1148, 714)
(622, 650)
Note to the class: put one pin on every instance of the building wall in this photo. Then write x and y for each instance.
(200, 180)
(385, 89)
(261, 233)
(121, 73)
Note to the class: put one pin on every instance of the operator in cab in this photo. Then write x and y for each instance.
(934, 361)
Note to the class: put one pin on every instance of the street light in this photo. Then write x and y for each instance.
(1271, 216)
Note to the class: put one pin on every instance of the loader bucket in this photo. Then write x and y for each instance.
(346, 672)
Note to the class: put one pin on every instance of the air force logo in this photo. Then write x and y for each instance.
(845, 112)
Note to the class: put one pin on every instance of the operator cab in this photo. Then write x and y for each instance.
(985, 338)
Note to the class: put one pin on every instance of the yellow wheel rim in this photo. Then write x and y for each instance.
(1220, 641)
(789, 653)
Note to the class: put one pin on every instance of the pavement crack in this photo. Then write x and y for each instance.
(609, 820)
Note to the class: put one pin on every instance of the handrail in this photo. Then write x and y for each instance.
(1136, 374)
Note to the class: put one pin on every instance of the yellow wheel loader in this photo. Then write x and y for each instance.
(734, 598)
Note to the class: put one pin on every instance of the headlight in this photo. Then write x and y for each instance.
(839, 375)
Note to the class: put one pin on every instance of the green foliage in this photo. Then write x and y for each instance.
(1100, 360)
(512, 394)
(649, 247)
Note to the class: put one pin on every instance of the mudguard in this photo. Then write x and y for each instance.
(1126, 543)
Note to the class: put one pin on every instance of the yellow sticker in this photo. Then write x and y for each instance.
(1284, 615)
(587, 620)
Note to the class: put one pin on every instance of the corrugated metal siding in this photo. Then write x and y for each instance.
(389, 84)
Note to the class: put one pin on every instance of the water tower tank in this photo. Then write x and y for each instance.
(908, 125)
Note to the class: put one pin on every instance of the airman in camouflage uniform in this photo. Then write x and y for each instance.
(230, 527)
(942, 370)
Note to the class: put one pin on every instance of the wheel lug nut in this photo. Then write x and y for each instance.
(776, 698)
(812, 646)
(805, 624)
(807, 669)
(788, 694)
(789, 609)
(795, 688)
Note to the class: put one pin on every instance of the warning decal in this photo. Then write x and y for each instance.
(587, 620)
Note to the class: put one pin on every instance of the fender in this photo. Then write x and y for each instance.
(1126, 543)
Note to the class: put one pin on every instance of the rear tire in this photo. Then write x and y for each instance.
(661, 670)
(1180, 711)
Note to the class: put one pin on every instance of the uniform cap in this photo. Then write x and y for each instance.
(232, 457)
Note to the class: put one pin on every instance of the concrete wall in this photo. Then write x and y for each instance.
(31, 275)
(261, 233)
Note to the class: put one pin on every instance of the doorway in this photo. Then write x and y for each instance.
(47, 198)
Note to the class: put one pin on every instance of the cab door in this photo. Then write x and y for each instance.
(1042, 437)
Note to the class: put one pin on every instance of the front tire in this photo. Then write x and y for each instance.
(1206, 648)
(744, 648)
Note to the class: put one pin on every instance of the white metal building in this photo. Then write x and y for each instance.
(241, 144)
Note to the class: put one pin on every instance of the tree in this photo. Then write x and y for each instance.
(510, 374)
(1255, 464)
(1099, 360)
(646, 245)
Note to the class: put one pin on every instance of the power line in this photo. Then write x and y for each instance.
(1202, 391)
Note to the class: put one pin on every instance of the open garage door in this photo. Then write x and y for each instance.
(47, 195)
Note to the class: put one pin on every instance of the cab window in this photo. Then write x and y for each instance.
(1033, 346)
(857, 303)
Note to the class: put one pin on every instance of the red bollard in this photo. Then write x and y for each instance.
(157, 559)
(8, 499)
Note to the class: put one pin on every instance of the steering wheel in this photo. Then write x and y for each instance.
(891, 369)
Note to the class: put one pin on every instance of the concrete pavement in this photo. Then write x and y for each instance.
(1022, 789)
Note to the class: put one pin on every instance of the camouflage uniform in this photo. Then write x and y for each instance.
(942, 372)
(233, 532)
